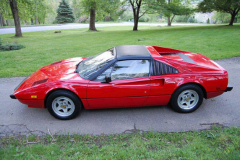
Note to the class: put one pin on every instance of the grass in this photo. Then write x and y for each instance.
(217, 143)
(45, 47)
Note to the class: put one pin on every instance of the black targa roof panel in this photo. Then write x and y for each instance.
(132, 50)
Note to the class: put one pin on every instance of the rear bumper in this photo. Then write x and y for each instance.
(12, 96)
(229, 88)
(36, 103)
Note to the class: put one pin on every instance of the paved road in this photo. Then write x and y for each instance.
(17, 118)
(82, 25)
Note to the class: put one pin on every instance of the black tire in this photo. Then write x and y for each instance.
(187, 98)
(63, 104)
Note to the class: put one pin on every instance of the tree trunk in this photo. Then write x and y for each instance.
(36, 13)
(136, 11)
(233, 15)
(14, 8)
(135, 27)
(31, 21)
(92, 20)
(7, 22)
(169, 21)
(232, 19)
(1, 20)
(36, 20)
(172, 19)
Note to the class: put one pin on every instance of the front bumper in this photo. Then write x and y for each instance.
(229, 88)
(13, 96)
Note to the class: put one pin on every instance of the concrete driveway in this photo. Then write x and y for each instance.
(85, 25)
(17, 118)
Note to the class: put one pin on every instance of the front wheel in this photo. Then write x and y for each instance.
(187, 98)
(63, 105)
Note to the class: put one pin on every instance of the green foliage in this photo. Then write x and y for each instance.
(127, 16)
(208, 21)
(176, 8)
(226, 6)
(220, 17)
(103, 9)
(182, 18)
(77, 8)
(192, 20)
(5, 9)
(171, 8)
(216, 143)
(9, 47)
(45, 47)
(219, 5)
(65, 13)
(27, 9)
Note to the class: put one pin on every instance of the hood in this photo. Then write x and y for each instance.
(46, 73)
(63, 67)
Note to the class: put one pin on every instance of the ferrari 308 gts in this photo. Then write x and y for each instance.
(124, 76)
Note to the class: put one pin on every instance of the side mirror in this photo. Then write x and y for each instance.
(107, 79)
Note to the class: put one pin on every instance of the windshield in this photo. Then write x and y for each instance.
(93, 64)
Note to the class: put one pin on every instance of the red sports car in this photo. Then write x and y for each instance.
(124, 76)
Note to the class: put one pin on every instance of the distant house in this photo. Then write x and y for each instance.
(203, 17)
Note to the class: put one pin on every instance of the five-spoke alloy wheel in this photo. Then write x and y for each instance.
(187, 98)
(63, 104)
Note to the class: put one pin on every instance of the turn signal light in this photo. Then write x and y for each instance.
(33, 96)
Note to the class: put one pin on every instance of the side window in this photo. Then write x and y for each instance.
(129, 69)
(101, 77)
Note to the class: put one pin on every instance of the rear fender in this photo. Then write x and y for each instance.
(194, 82)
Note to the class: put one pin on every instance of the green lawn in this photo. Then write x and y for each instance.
(217, 143)
(45, 47)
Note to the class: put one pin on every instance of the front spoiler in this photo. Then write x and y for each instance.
(229, 88)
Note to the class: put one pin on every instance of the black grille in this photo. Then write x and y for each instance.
(162, 68)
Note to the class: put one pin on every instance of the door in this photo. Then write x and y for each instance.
(129, 86)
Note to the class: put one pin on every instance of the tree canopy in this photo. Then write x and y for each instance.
(228, 6)
(171, 8)
(99, 8)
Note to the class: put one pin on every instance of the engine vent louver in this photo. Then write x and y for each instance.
(162, 68)
(39, 82)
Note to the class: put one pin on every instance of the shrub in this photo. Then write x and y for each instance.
(192, 20)
(208, 21)
(9, 47)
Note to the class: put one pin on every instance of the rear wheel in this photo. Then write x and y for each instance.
(63, 104)
(187, 98)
